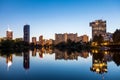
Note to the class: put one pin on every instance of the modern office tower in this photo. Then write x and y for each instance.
(98, 27)
(9, 34)
(26, 60)
(26, 33)
(34, 40)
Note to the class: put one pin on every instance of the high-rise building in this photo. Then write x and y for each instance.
(9, 34)
(26, 33)
(98, 27)
(34, 40)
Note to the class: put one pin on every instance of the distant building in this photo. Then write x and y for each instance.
(34, 40)
(60, 38)
(9, 34)
(1, 39)
(64, 37)
(41, 40)
(84, 38)
(26, 33)
(98, 27)
(73, 37)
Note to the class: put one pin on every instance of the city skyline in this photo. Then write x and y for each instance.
(47, 17)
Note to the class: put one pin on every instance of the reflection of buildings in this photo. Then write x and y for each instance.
(84, 54)
(99, 63)
(44, 51)
(70, 55)
(26, 60)
(34, 52)
(49, 42)
(9, 60)
(98, 27)
(65, 55)
(9, 34)
(73, 37)
(41, 52)
(26, 33)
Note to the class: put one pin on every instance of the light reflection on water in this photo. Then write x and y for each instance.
(60, 65)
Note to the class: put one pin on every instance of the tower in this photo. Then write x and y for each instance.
(9, 34)
(98, 27)
(26, 35)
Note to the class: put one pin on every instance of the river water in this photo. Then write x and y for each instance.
(60, 65)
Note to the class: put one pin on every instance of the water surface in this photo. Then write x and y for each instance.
(58, 65)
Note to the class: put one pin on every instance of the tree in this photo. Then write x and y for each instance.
(7, 45)
(116, 36)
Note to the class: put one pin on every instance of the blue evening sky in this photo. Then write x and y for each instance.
(47, 17)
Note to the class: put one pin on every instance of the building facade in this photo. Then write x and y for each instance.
(64, 37)
(60, 38)
(41, 39)
(9, 34)
(73, 37)
(26, 33)
(84, 38)
(34, 40)
(98, 27)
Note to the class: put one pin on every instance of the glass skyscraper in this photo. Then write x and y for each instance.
(26, 35)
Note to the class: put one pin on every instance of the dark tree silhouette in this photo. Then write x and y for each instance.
(116, 36)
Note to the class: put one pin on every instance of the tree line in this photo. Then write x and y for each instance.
(73, 46)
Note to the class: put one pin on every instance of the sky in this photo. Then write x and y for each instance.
(47, 17)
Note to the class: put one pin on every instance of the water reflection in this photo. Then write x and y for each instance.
(99, 59)
(99, 62)
(9, 60)
(26, 60)
(67, 55)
